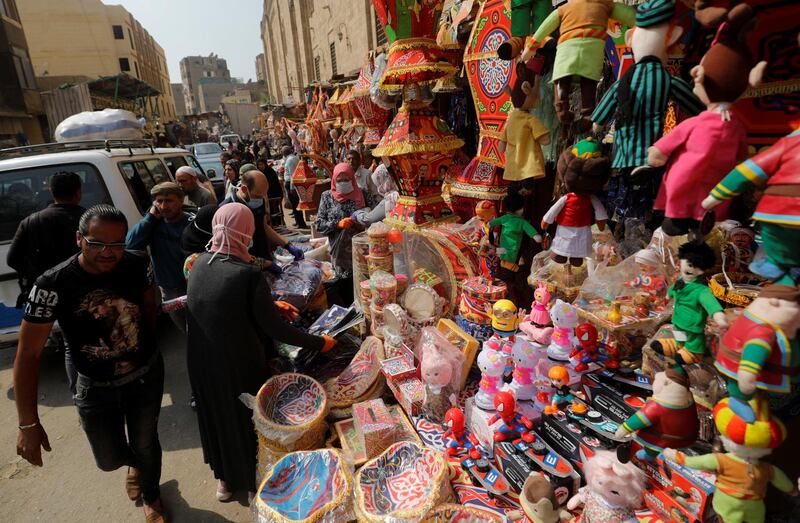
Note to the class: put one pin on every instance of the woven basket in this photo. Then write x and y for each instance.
(746, 287)
(290, 412)
(452, 513)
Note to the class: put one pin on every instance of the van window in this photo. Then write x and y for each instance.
(25, 191)
(174, 163)
(141, 176)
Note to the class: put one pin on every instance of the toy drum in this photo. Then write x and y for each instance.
(378, 242)
(402, 283)
(383, 287)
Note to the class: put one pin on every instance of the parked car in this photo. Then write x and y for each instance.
(117, 172)
(207, 155)
(225, 139)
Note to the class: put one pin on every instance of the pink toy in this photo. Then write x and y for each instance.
(526, 355)
(613, 490)
(538, 325)
(562, 341)
(492, 364)
(437, 375)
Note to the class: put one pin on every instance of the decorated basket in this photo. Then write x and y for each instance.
(290, 412)
(736, 288)
(359, 377)
(306, 487)
(452, 513)
(402, 484)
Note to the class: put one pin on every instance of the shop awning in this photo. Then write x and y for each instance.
(122, 86)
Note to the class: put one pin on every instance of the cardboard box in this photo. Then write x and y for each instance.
(399, 367)
(614, 399)
(410, 393)
(353, 446)
(571, 440)
(678, 494)
(374, 426)
(463, 342)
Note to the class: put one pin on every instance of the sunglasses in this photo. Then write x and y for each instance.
(96, 246)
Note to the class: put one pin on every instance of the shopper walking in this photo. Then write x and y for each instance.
(290, 161)
(195, 194)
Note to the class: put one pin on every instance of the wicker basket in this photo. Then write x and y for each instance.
(452, 513)
(290, 412)
(746, 287)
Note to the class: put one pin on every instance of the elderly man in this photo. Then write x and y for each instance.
(363, 175)
(195, 194)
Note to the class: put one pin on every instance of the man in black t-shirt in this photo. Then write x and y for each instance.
(104, 301)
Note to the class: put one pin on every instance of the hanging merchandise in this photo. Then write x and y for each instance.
(375, 117)
(514, 227)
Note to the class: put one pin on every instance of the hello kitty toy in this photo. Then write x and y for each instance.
(537, 325)
(526, 355)
(492, 364)
(562, 341)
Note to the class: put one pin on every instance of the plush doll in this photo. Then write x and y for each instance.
(760, 350)
(538, 500)
(667, 420)
(694, 303)
(559, 380)
(584, 171)
(649, 279)
(638, 101)
(537, 325)
(701, 150)
(492, 364)
(523, 134)
(486, 211)
(778, 210)
(437, 374)
(741, 477)
(582, 25)
(514, 226)
(613, 490)
(514, 425)
(562, 341)
(526, 17)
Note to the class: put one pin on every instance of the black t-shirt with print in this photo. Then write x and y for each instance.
(101, 315)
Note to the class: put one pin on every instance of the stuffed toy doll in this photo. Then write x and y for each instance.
(694, 303)
(526, 17)
(485, 211)
(741, 477)
(523, 134)
(514, 226)
(583, 26)
(584, 171)
(613, 490)
(638, 101)
(778, 210)
(760, 350)
(667, 420)
(538, 500)
(701, 150)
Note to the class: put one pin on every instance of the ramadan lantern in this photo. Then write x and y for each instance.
(304, 181)
(374, 116)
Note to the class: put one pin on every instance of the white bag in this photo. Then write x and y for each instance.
(108, 124)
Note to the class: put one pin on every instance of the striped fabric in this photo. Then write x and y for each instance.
(767, 432)
(654, 12)
(652, 86)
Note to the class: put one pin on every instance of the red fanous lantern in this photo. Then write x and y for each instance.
(304, 181)
(479, 181)
(375, 117)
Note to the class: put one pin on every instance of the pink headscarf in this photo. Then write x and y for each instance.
(343, 172)
(233, 226)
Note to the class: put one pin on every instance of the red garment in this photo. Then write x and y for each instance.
(577, 211)
(781, 163)
(672, 427)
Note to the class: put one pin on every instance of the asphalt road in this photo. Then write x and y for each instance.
(70, 488)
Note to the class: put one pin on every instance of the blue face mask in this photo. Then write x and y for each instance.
(255, 204)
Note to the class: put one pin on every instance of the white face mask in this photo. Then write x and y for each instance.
(344, 187)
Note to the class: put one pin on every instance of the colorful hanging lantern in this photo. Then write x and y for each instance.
(304, 181)
(375, 117)
(480, 180)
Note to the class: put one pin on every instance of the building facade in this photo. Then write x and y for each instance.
(177, 94)
(309, 41)
(21, 110)
(261, 68)
(76, 40)
(199, 69)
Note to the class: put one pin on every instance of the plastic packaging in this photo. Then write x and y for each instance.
(298, 283)
(562, 281)
(108, 124)
(383, 289)
(378, 242)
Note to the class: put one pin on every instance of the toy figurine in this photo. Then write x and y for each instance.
(613, 490)
(515, 425)
(559, 379)
(583, 26)
(523, 134)
(699, 151)
(537, 325)
(458, 438)
(584, 171)
(514, 226)
(492, 364)
(588, 349)
(694, 302)
(741, 477)
(760, 351)
(437, 374)
(667, 420)
(562, 341)
(638, 101)
(538, 500)
(505, 318)
(525, 354)
(649, 279)
(778, 210)
(486, 211)
(614, 314)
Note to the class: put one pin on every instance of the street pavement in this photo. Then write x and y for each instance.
(70, 487)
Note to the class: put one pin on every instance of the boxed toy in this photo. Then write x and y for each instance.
(478, 419)
(374, 425)
(570, 439)
(615, 399)
(410, 393)
(678, 494)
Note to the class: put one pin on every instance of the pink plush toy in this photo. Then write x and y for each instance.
(437, 374)
(537, 325)
(613, 490)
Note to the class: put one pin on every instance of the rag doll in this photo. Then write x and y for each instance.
(538, 500)
(537, 325)
(778, 210)
(523, 134)
(741, 477)
(562, 341)
(437, 374)
(667, 420)
(694, 303)
(760, 350)
(701, 150)
(582, 25)
(613, 490)
(638, 101)
(584, 171)
(514, 226)
(526, 17)
(486, 211)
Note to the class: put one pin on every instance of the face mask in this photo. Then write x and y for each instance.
(344, 187)
(255, 204)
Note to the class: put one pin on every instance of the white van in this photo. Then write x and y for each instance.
(118, 172)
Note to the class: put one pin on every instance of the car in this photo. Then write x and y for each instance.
(117, 172)
(207, 154)
(225, 139)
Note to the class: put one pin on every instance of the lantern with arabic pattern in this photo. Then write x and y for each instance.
(375, 117)
(304, 181)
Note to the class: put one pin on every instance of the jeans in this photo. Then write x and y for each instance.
(178, 317)
(299, 221)
(106, 412)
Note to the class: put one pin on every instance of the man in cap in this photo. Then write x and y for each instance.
(161, 229)
(196, 195)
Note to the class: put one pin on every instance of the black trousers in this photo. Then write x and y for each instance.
(299, 221)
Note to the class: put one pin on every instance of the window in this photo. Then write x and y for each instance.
(316, 68)
(333, 59)
(118, 34)
(26, 191)
(380, 33)
(141, 176)
(136, 67)
(24, 68)
(124, 65)
(130, 39)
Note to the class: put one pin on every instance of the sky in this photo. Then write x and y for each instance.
(231, 29)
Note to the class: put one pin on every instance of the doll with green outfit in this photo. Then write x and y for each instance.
(514, 227)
